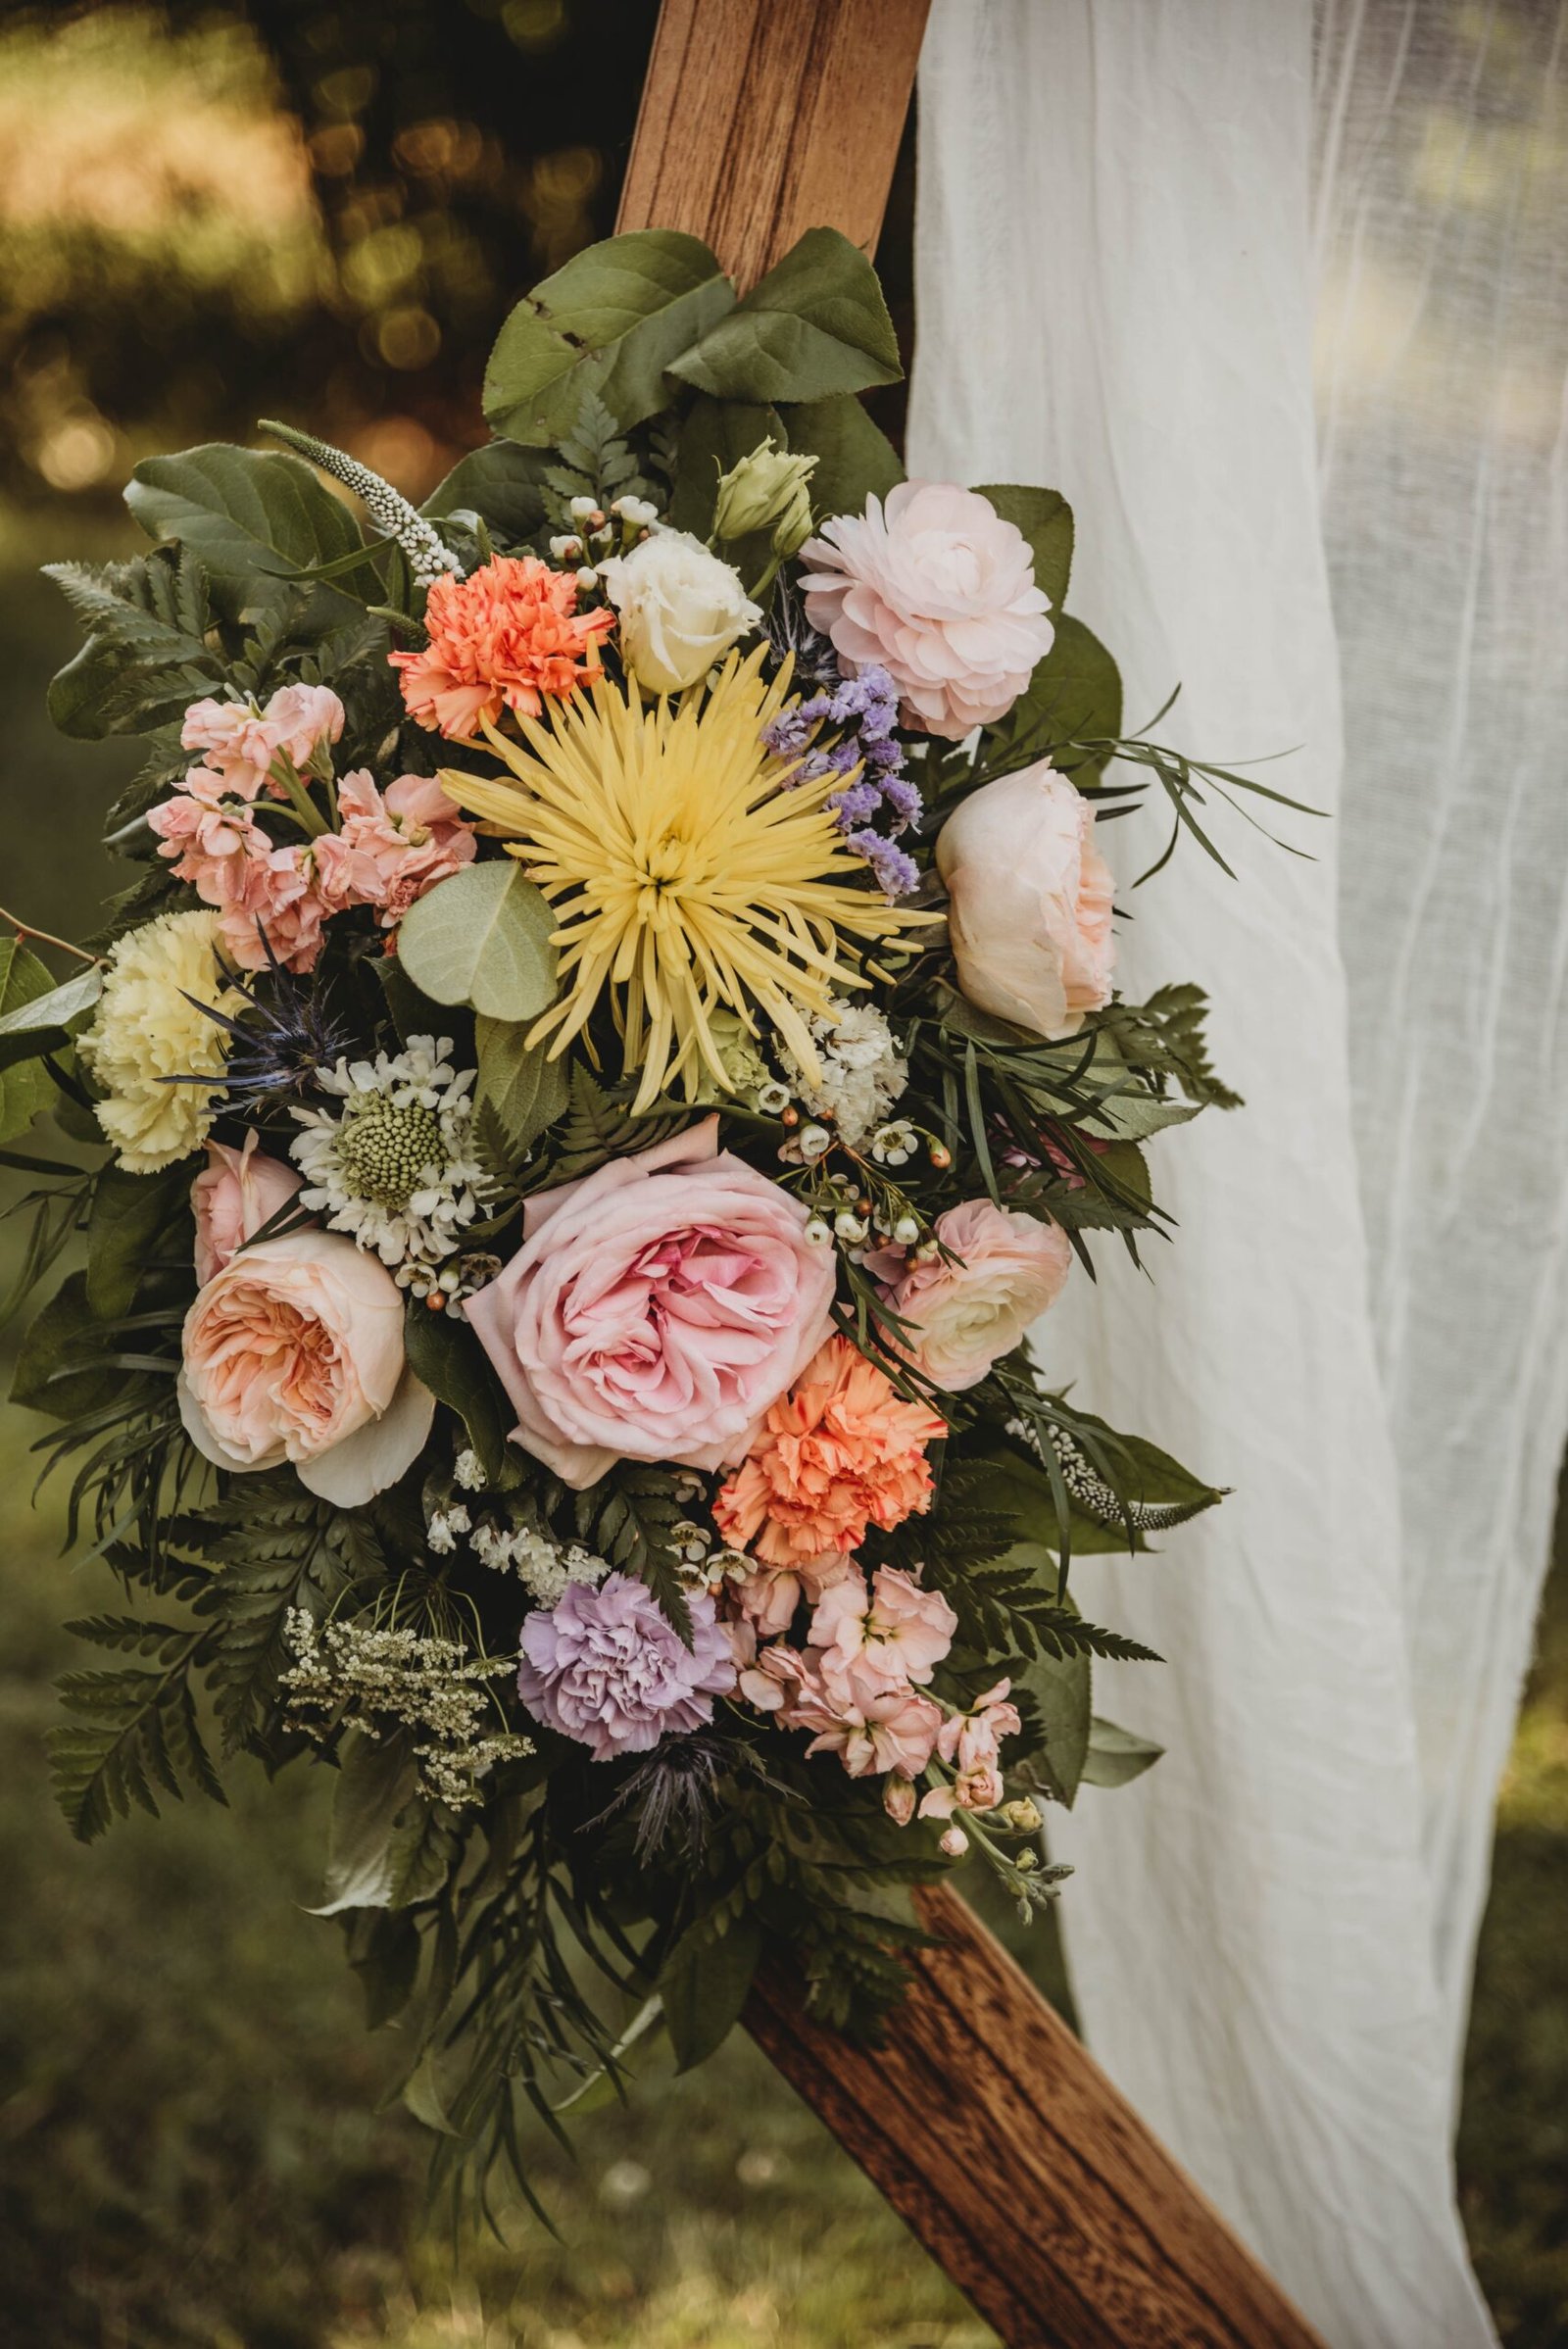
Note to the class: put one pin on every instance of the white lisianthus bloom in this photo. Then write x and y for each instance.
(680, 608)
(150, 1033)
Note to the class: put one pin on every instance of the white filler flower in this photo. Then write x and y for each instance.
(863, 1072)
(393, 1168)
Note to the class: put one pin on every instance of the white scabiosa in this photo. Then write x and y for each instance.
(863, 1071)
(151, 1041)
(394, 1166)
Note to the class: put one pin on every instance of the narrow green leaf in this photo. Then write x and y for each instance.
(26, 1090)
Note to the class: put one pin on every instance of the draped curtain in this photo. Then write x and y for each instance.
(1137, 219)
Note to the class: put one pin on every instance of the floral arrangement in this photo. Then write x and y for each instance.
(612, 1044)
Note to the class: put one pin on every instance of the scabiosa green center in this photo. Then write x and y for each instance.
(389, 1152)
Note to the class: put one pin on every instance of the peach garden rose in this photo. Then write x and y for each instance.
(962, 1315)
(1029, 901)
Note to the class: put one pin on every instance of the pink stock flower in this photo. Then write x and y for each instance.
(962, 1316)
(233, 1196)
(500, 639)
(769, 1597)
(840, 1452)
(871, 1726)
(240, 741)
(895, 1633)
(969, 1743)
(392, 847)
(936, 589)
(234, 865)
(655, 1310)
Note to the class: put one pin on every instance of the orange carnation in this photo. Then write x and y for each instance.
(500, 639)
(841, 1451)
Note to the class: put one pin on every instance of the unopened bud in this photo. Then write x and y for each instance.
(1022, 1817)
(954, 1843)
(906, 1231)
(587, 577)
(767, 490)
(1025, 1861)
(897, 1799)
(584, 510)
(565, 550)
(814, 1140)
(818, 1232)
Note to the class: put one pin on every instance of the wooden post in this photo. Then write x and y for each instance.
(983, 2120)
(761, 119)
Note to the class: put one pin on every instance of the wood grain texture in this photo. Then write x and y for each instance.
(761, 119)
(1024, 2173)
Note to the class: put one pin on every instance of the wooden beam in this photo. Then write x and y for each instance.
(1024, 2173)
(761, 119)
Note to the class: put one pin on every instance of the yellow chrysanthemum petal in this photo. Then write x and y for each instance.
(685, 872)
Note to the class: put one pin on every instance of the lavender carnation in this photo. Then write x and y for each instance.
(607, 1667)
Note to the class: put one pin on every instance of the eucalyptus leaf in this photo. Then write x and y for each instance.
(610, 322)
(254, 517)
(26, 1090)
(526, 1090)
(484, 938)
(1117, 1755)
(816, 325)
(1045, 518)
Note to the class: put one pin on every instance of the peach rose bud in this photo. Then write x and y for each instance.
(1030, 901)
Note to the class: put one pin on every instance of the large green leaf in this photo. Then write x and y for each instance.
(484, 938)
(502, 481)
(526, 1090)
(55, 1370)
(382, 1851)
(25, 1090)
(254, 518)
(610, 322)
(1117, 1755)
(1073, 696)
(127, 1218)
(448, 1357)
(856, 461)
(816, 324)
(1045, 518)
(704, 1987)
(36, 1022)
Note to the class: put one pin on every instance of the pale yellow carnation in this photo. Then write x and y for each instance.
(145, 1030)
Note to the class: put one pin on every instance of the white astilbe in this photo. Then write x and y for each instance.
(545, 1569)
(427, 555)
(394, 1169)
(384, 1680)
(863, 1072)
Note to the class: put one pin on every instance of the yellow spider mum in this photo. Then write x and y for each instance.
(685, 875)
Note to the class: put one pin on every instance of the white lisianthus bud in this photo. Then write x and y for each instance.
(680, 608)
(767, 490)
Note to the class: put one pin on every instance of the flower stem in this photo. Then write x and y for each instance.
(26, 930)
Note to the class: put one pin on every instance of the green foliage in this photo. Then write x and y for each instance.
(483, 937)
(389, 1848)
(703, 1987)
(610, 323)
(1074, 695)
(257, 522)
(126, 1222)
(130, 1733)
(1053, 1692)
(626, 1518)
(503, 483)
(272, 1546)
(1166, 1037)
(1045, 518)
(60, 1365)
(814, 326)
(599, 1127)
(448, 1357)
(523, 1088)
(1116, 1756)
(146, 653)
(855, 459)
(25, 1086)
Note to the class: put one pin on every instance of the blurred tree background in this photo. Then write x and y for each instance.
(208, 214)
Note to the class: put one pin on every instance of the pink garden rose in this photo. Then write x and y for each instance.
(962, 1317)
(655, 1310)
(938, 589)
(232, 1198)
(294, 1352)
(392, 847)
(240, 742)
(1030, 900)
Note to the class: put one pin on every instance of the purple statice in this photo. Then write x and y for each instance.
(608, 1667)
(868, 755)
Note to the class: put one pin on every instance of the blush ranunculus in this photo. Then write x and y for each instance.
(655, 1310)
(962, 1317)
(1030, 901)
(841, 1453)
(934, 586)
(232, 1198)
(294, 1352)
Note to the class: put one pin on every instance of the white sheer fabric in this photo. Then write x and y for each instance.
(1443, 369)
(1115, 295)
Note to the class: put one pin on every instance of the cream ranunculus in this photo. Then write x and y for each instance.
(1030, 901)
(150, 1035)
(680, 608)
(960, 1312)
(294, 1352)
